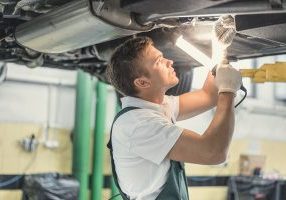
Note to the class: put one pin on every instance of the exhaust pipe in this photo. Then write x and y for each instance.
(77, 24)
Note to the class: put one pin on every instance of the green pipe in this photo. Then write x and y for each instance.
(114, 189)
(81, 137)
(98, 143)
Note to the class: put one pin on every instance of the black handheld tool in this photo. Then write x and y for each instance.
(241, 87)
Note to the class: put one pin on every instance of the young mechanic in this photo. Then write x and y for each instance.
(147, 148)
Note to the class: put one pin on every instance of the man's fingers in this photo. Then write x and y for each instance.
(223, 32)
(226, 17)
(229, 26)
(228, 22)
(227, 37)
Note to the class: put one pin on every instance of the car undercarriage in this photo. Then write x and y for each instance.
(82, 34)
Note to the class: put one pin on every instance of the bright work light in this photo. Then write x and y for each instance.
(194, 52)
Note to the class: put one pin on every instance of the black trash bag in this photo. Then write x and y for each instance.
(50, 186)
(252, 188)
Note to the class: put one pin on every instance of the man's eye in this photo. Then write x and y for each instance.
(160, 60)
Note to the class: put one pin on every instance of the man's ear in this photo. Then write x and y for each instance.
(142, 82)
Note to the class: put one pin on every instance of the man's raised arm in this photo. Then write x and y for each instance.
(197, 102)
(211, 147)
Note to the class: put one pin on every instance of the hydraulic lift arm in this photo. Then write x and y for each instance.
(266, 73)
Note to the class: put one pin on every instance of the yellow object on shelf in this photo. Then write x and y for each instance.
(266, 73)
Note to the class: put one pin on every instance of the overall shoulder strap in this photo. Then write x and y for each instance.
(121, 112)
(109, 145)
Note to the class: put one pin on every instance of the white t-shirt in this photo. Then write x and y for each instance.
(141, 139)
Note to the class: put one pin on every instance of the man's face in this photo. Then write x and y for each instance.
(160, 70)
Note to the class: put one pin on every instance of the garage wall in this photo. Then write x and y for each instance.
(44, 96)
(40, 95)
(39, 101)
(14, 160)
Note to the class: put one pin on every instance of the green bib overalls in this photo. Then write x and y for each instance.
(175, 188)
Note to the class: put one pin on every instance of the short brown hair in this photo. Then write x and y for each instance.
(124, 66)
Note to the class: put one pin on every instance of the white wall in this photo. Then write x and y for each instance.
(44, 96)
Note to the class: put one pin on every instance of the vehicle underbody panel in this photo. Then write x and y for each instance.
(82, 34)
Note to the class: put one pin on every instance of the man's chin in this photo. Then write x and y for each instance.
(174, 83)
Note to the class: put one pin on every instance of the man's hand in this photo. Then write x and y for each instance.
(227, 79)
(224, 31)
(222, 36)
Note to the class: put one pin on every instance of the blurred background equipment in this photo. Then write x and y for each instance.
(29, 143)
(251, 164)
(50, 186)
(275, 72)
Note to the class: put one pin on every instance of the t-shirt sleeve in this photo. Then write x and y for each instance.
(173, 102)
(153, 138)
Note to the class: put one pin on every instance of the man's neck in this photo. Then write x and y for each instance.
(154, 97)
